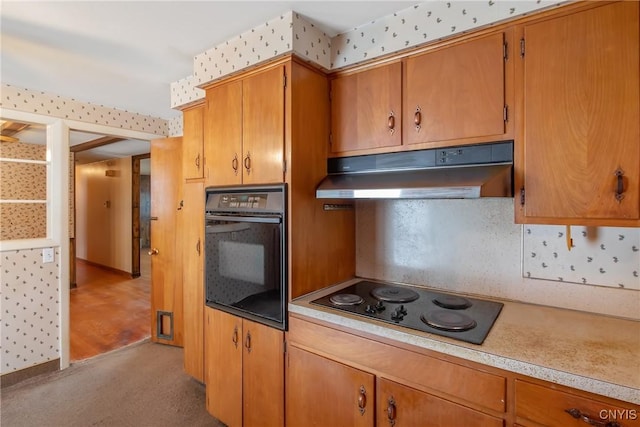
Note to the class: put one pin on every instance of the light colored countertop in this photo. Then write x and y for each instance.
(589, 352)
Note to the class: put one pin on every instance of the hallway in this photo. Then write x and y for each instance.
(109, 309)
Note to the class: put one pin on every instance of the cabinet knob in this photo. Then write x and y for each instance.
(391, 411)
(391, 123)
(362, 400)
(154, 251)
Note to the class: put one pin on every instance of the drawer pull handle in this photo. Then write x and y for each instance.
(234, 164)
(575, 413)
(234, 337)
(417, 119)
(362, 400)
(391, 411)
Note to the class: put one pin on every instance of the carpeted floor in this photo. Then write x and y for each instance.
(139, 385)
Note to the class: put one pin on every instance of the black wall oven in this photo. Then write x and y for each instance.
(245, 252)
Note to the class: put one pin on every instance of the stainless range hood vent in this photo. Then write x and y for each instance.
(465, 172)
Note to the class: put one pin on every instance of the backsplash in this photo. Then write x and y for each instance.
(604, 256)
(29, 304)
(473, 247)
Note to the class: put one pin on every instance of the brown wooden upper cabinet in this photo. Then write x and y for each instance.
(366, 109)
(192, 142)
(244, 130)
(456, 93)
(581, 126)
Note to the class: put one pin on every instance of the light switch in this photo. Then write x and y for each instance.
(47, 255)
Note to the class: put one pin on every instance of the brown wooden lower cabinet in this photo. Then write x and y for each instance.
(244, 371)
(337, 377)
(321, 392)
(541, 405)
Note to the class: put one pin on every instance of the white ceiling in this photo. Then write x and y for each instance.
(124, 54)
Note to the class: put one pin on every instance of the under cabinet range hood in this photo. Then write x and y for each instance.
(465, 172)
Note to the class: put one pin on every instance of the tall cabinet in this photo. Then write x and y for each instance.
(269, 125)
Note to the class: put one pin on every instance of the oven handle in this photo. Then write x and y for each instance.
(259, 219)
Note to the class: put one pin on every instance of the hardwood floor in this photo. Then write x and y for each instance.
(109, 309)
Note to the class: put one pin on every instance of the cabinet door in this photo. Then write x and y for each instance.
(456, 92)
(223, 135)
(581, 115)
(223, 366)
(263, 127)
(192, 142)
(166, 265)
(263, 375)
(192, 283)
(400, 406)
(366, 109)
(321, 392)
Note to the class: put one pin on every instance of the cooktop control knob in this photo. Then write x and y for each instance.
(380, 306)
(402, 310)
(397, 315)
(370, 309)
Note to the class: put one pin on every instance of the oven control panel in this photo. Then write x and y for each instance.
(254, 201)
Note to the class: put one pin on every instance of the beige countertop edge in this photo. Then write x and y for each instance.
(580, 382)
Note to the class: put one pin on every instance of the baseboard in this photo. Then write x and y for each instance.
(104, 267)
(12, 378)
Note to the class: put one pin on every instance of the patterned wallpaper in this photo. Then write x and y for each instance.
(292, 33)
(44, 103)
(23, 180)
(605, 256)
(29, 304)
(23, 221)
(422, 23)
(176, 126)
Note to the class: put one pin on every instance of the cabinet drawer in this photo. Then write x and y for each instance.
(549, 407)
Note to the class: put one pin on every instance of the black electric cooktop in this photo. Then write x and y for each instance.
(463, 318)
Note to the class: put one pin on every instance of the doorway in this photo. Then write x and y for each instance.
(110, 303)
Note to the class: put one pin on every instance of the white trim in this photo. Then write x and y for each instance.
(36, 162)
(21, 201)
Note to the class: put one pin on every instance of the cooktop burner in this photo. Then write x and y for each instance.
(452, 302)
(448, 320)
(463, 318)
(346, 299)
(394, 294)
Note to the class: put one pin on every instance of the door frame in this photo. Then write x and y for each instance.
(135, 213)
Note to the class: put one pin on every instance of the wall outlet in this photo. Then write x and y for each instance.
(47, 255)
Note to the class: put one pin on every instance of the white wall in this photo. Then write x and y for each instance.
(469, 246)
(103, 213)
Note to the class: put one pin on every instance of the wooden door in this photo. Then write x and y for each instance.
(193, 279)
(455, 92)
(223, 366)
(408, 407)
(366, 109)
(193, 128)
(262, 375)
(581, 114)
(166, 264)
(322, 392)
(223, 135)
(263, 127)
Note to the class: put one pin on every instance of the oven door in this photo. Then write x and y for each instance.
(245, 265)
